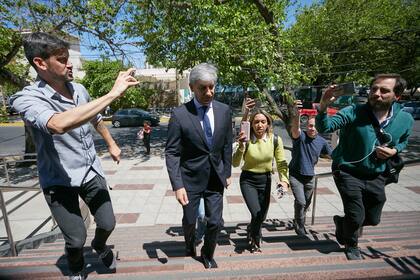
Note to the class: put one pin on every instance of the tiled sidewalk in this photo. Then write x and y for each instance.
(142, 195)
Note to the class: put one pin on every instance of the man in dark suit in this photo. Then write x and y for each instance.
(198, 158)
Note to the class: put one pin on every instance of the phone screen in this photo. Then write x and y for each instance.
(344, 89)
(245, 127)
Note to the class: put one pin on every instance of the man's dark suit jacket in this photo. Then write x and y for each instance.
(188, 157)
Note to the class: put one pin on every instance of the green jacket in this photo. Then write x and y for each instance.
(357, 142)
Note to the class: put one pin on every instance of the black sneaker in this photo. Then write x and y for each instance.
(301, 231)
(338, 221)
(353, 253)
(106, 256)
(255, 246)
(300, 228)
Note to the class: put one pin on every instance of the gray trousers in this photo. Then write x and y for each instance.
(302, 188)
(64, 206)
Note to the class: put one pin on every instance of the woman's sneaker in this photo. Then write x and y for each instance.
(77, 276)
(106, 256)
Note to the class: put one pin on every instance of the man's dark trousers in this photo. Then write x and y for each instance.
(213, 203)
(363, 200)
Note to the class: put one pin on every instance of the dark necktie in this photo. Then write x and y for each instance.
(206, 126)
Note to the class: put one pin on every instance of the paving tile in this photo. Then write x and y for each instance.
(130, 187)
(170, 193)
(126, 218)
(324, 191)
(110, 172)
(146, 168)
(414, 189)
(323, 164)
(272, 199)
(234, 199)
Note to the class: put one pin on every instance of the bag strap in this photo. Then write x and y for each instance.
(378, 130)
(276, 144)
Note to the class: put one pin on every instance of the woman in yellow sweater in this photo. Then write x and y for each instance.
(255, 178)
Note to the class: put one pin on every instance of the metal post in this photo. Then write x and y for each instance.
(6, 171)
(7, 225)
(314, 201)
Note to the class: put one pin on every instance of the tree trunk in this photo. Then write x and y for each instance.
(29, 149)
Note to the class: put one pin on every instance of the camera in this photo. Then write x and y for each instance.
(133, 73)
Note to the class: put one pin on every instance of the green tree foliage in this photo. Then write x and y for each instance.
(11, 62)
(94, 18)
(97, 19)
(100, 77)
(339, 40)
(245, 39)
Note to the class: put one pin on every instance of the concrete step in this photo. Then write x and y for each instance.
(391, 251)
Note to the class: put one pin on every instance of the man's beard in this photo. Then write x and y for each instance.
(380, 105)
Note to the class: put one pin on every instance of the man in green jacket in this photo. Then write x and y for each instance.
(359, 159)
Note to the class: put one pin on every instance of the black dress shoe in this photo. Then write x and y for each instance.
(191, 251)
(208, 263)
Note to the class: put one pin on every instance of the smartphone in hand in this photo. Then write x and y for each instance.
(246, 128)
(133, 73)
(345, 89)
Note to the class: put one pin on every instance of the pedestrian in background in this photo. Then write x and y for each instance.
(201, 223)
(147, 132)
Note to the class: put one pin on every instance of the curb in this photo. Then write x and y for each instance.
(11, 124)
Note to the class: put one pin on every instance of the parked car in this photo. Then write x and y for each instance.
(412, 107)
(305, 114)
(133, 117)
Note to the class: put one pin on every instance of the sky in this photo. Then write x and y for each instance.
(137, 57)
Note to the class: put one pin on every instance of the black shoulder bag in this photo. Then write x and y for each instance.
(395, 163)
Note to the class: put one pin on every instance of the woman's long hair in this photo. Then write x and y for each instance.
(269, 121)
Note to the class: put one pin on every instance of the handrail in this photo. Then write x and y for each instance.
(34, 187)
(4, 156)
(327, 174)
(9, 187)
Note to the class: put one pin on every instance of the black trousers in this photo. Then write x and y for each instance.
(363, 200)
(64, 205)
(213, 204)
(256, 190)
(146, 141)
